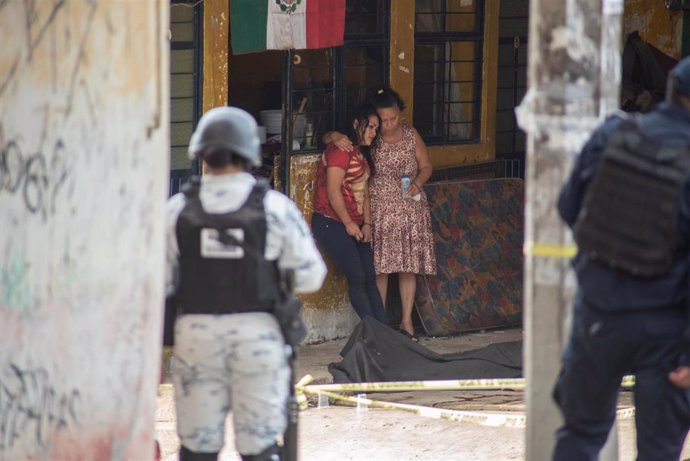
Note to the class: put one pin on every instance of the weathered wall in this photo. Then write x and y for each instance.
(657, 25)
(83, 164)
(328, 312)
(216, 42)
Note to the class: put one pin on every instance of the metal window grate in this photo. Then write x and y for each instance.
(185, 81)
(332, 81)
(448, 68)
(512, 77)
(503, 168)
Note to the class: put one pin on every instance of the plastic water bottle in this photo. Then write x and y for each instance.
(405, 184)
(362, 405)
(323, 401)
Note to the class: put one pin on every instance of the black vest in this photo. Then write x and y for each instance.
(222, 265)
(629, 216)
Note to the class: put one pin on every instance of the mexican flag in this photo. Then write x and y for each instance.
(257, 25)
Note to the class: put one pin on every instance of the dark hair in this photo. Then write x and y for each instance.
(383, 97)
(218, 157)
(361, 114)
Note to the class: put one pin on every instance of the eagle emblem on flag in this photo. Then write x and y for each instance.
(258, 25)
(288, 6)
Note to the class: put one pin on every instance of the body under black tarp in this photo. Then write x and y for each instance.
(375, 352)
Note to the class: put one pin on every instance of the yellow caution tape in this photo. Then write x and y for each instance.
(549, 251)
(302, 402)
(628, 381)
(446, 385)
(473, 417)
(517, 420)
(441, 385)
(625, 413)
(306, 379)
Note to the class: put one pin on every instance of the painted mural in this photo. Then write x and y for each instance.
(83, 182)
(478, 235)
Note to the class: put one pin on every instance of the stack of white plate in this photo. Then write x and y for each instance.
(272, 120)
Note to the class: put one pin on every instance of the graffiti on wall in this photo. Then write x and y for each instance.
(31, 404)
(83, 182)
(34, 177)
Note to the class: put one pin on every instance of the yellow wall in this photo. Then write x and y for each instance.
(656, 25)
(216, 28)
(333, 293)
(402, 80)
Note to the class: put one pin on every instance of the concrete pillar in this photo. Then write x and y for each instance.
(563, 104)
(83, 181)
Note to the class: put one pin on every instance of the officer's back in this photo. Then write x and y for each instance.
(627, 202)
(612, 288)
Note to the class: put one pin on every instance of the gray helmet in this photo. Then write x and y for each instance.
(230, 128)
(679, 79)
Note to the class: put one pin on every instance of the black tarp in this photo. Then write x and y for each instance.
(645, 69)
(375, 352)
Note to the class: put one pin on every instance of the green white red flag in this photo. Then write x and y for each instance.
(257, 25)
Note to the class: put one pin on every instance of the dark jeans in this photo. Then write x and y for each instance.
(356, 260)
(605, 346)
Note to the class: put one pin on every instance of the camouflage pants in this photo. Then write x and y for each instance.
(224, 363)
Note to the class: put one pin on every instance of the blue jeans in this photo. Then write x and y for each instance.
(604, 346)
(356, 260)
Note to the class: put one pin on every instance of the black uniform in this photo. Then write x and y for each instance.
(630, 311)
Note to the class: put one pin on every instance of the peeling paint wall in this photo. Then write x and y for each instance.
(83, 181)
(656, 25)
(328, 312)
(216, 43)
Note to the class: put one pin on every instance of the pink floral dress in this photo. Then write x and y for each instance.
(402, 237)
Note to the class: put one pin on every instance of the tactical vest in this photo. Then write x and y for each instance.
(222, 265)
(629, 216)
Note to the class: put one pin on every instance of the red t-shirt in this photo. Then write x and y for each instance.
(356, 177)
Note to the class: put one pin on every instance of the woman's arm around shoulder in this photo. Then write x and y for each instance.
(339, 139)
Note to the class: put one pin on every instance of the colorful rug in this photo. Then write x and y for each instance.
(478, 235)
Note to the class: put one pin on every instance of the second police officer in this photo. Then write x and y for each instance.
(628, 202)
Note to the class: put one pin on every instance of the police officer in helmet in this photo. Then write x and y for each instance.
(628, 202)
(229, 238)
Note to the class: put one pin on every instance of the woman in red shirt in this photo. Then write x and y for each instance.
(342, 215)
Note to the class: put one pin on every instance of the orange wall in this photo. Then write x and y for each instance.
(656, 25)
(216, 27)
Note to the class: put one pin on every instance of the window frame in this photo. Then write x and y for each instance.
(402, 47)
(196, 45)
(445, 39)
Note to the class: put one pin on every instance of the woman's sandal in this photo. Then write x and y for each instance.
(413, 337)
